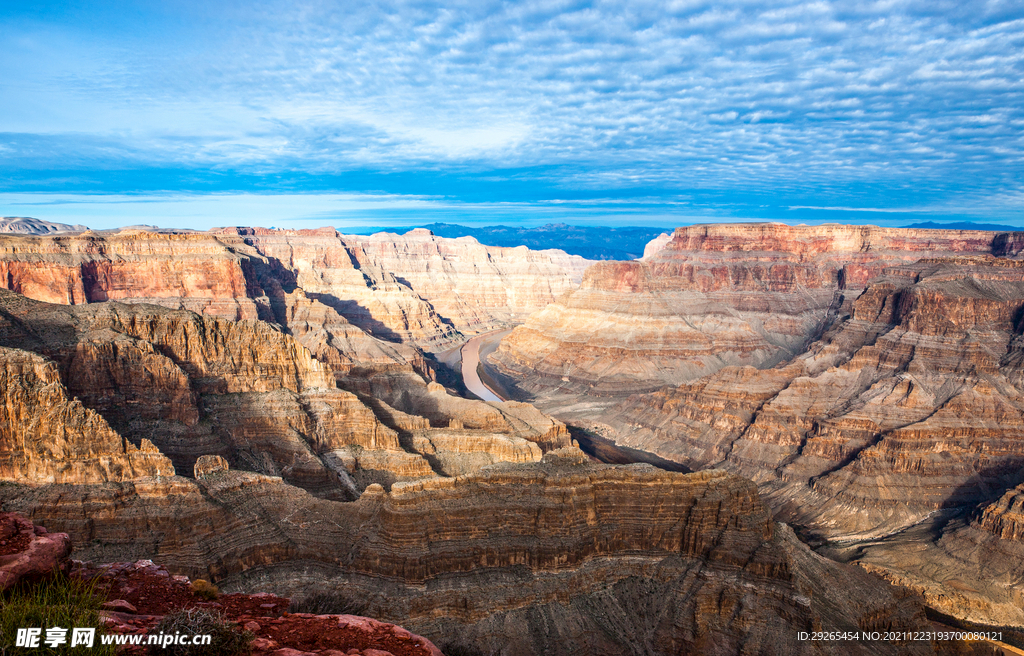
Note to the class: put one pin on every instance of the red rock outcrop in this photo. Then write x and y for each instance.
(28, 551)
(714, 296)
(416, 288)
(142, 593)
(193, 271)
(530, 557)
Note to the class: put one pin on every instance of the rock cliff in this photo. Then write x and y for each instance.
(968, 567)
(908, 405)
(522, 559)
(48, 436)
(124, 385)
(712, 296)
(186, 270)
(416, 288)
(476, 287)
(335, 272)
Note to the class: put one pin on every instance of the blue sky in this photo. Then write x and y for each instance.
(389, 113)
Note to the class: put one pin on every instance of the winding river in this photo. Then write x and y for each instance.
(470, 360)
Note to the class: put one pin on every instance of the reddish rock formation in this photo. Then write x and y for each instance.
(29, 552)
(415, 288)
(714, 296)
(187, 270)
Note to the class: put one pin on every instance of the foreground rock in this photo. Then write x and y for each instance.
(521, 559)
(141, 593)
(29, 552)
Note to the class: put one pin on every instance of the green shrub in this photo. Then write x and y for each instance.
(205, 589)
(55, 601)
(225, 637)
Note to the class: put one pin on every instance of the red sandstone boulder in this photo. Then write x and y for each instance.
(28, 551)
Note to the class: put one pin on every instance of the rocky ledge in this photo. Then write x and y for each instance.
(140, 594)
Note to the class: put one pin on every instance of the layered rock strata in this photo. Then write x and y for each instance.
(141, 594)
(416, 289)
(82, 379)
(193, 271)
(713, 296)
(970, 567)
(909, 405)
(524, 559)
(48, 436)
(335, 273)
(478, 288)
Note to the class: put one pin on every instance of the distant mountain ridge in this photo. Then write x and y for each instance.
(965, 225)
(28, 226)
(593, 243)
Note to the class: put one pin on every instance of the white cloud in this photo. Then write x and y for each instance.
(774, 95)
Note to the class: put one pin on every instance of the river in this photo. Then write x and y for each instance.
(470, 360)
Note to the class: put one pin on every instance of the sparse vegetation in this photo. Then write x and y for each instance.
(56, 601)
(226, 638)
(205, 589)
(334, 602)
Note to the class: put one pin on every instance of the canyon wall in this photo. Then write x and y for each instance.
(48, 436)
(971, 567)
(415, 289)
(183, 270)
(910, 404)
(104, 391)
(478, 288)
(712, 296)
(516, 559)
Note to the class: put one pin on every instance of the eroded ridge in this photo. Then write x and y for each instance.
(588, 559)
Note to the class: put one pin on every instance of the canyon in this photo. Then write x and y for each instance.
(279, 411)
(870, 387)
